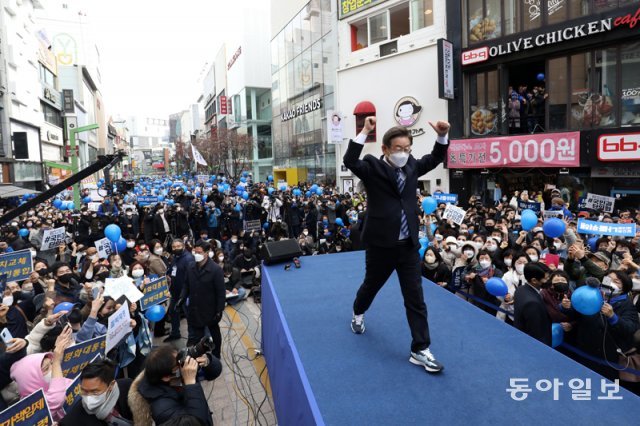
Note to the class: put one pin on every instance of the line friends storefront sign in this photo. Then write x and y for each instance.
(522, 44)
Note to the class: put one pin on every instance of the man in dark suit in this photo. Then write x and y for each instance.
(390, 232)
(530, 313)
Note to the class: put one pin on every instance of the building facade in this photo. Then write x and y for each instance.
(549, 94)
(303, 79)
(148, 136)
(388, 68)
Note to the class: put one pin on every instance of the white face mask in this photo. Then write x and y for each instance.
(430, 259)
(455, 250)
(198, 257)
(91, 402)
(7, 300)
(492, 248)
(305, 232)
(399, 159)
(439, 237)
(557, 245)
(131, 244)
(234, 240)
(636, 284)
(469, 254)
(485, 264)
(220, 258)
(520, 268)
(158, 251)
(137, 273)
(47, 377)
(211, 254)
(534, 258)
(508, 262)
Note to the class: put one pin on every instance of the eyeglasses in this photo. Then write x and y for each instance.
(400, 149)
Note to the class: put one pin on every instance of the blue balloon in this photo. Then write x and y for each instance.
(421, 252)
(307, 194)
(314, 187)
(113, 232)
(245, 173)
(270, 190)
(243, 179)
(87, 199)
(429, 205)
(297, 192)
(265, 225)
(587, 300)
(540, 77)
(557, 335)
(170, 202)
(155, 313)
(496, 287)
(245, 195)
(121, 244)
(283, 187)
(270, 178)
(57, 203)
(64, 205)
(71, 205)
(319, 191)
(204, 198)
(160, 197)
(63, 306)
(23, 232)
(528, 219)
(339, 221)
(424, 241)
(238, 207)
(433, 228)
(553, 227)
(592, 244)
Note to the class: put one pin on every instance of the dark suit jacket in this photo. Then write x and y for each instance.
(384, 201)
(206, 291)
(530, 314)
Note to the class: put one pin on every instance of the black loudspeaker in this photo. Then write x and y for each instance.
(280, 251)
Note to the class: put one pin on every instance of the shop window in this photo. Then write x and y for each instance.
(603, 103)
(558, 90)
(378, 28)
(20, 146)
(630, 84)
(526, 100)
(580, 91)
(421, 14)
(483, 102)
(557, 12)
(399, 20)
(484, 20)
(359, 36)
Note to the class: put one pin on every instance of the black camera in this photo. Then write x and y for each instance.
(202, 347)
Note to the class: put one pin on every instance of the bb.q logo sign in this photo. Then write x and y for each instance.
(620, 147)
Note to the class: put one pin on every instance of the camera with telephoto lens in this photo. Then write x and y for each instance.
(202, 347)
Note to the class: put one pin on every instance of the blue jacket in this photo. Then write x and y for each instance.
(212, 216)
(90, 329)
(178, 272)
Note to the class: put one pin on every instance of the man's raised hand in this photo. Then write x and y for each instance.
(441, 127)
(369, 125)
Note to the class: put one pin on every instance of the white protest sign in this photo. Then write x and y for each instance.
(93, 206)
(548, 214)
(118, 327)
(123, 286)
(600, 202)
(52, 238)
(453, 213)
(125, 207)
(104, 248)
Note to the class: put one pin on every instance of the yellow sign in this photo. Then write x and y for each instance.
(349, 7)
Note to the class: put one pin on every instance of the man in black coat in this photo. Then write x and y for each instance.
(390, 232)
(204, 287)
(104, 400)
(530, 312)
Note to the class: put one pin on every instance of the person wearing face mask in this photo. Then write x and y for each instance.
(205, 289)
(553, 296)
(513, 278)
(161, 224)
(90, 265)
(434, 269)
(231, 246)
(246, 268)
(156, 263)
(117, 269)
(104, 399)
(36, 242)
(391, 230)
(44, 371)
(66, 287)
(128, 254)
(530, 312)
(484, 271)
(108, 208)
(177, 273)
(130, 222)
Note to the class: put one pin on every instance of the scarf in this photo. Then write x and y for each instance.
(431, 266)
(104, 411)
(488, 272)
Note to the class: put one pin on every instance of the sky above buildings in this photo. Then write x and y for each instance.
(154, 54)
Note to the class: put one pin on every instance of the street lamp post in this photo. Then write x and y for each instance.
(74, 157)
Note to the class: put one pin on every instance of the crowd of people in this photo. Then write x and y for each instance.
(526, 109)
(206, 238)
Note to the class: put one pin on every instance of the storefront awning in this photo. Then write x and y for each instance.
(7, 191)
(364, 108)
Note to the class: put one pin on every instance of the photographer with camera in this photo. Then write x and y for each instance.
(168, 386)
(205, 289)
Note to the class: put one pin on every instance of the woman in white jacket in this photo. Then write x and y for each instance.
(514, 278)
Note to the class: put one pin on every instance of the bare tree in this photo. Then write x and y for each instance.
(226, 151)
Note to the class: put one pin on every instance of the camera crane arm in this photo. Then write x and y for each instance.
(103, 161)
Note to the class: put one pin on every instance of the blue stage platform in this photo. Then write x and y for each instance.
(321, 373)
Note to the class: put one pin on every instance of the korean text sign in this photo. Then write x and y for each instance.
(76, 357)
(602, 228)
(540, 150)
(32, 411)
(17, 265)
(155, 292)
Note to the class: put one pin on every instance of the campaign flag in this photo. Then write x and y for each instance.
(52, 238)
(145, 200)
(531, 205)
(76, 357)
(197, 156)
(441, 197)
